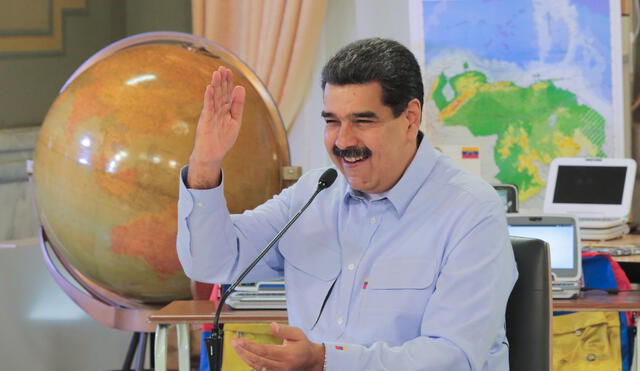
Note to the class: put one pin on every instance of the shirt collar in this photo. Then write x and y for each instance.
(401, 194)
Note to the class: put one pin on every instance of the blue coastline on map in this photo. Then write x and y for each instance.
(505, 30)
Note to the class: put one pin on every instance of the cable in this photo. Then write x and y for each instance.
(611, 291)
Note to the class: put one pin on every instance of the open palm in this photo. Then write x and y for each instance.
(220, 119)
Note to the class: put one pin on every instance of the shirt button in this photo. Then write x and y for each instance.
(373, 220)
(200, 204)
(340, 320)
(351, 266)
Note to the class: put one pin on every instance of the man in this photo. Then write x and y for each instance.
(404, 263)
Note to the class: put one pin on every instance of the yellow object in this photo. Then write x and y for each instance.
(587, 341)
(256, 332)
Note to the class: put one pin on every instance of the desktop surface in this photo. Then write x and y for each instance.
(630, 240)
(203, 311)
(600, 301)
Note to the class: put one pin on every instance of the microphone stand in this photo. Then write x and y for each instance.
(216, 340)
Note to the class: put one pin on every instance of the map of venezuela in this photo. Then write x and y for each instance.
(534, 124)
(521, 83)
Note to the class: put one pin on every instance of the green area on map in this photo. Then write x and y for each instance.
(534, 124)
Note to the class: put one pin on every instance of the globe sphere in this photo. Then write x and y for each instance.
(110, 150)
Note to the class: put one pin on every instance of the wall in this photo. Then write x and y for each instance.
(346, 21)
(30, 82)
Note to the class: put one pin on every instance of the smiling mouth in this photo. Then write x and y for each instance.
(352, 155)
(354, 159)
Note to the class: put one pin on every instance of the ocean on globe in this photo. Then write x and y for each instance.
(109, 153)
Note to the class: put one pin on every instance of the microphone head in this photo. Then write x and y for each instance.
(327, 178)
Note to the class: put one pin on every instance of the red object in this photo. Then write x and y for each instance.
(215, 298)
(621, 278)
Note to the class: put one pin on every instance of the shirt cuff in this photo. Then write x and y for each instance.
(196, 201)
(342, 357)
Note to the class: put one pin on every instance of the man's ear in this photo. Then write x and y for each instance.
(413, 113)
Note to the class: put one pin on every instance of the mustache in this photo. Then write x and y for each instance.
(352, 151)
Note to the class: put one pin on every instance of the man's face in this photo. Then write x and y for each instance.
(367, 144)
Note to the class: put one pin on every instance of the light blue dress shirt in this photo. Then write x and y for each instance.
(414, 279)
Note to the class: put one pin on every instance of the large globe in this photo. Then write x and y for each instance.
(109, 153)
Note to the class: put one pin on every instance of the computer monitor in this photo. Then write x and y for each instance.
(561, 233)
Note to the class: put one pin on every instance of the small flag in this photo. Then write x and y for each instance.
(340, 347)
(470, 152)
(366, 282)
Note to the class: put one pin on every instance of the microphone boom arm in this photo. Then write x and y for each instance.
(215, 341)
(260, 256)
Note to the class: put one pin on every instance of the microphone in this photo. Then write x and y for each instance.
(215, 341)
(326, 180)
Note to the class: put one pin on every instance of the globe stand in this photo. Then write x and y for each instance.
(109, 309)
(137, 347)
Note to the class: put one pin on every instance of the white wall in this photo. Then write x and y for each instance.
(346, 21)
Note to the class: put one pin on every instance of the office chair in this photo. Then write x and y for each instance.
(528, 316)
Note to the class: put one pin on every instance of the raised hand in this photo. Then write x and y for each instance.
(217, 130)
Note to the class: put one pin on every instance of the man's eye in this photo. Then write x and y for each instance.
(331, 122)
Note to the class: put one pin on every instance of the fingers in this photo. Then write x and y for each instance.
(216, 83)
(287, 332)
(224, 96)
(226, 84)
(207, 104)
(270, 351)
(237, 102)
(258, 355)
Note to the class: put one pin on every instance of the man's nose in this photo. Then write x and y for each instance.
(346, 137)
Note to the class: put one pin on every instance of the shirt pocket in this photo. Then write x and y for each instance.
(312, 258)
(399, 286)
(310, 272)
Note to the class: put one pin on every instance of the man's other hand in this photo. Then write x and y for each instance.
(295, 353)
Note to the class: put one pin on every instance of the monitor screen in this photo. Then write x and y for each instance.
(602, 185)
(502, 193)
(508, 194)
(559, 237)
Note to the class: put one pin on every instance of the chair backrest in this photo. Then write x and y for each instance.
(528, 316)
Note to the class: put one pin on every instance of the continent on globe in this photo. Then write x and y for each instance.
(150, 237)
(534, 124)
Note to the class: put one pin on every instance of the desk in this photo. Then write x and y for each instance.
(182, 313)
(630, 238)
(600, 301)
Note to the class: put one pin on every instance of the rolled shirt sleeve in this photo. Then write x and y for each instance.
(209, 238)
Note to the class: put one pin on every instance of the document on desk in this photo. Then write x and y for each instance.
(614, 248)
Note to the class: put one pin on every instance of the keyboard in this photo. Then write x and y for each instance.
(258, 296)
(592, 222)
(565, 290)
(257, 300)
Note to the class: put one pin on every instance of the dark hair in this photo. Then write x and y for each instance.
(386, 61)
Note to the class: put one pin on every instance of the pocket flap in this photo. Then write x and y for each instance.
(313, 259)
(402, 273)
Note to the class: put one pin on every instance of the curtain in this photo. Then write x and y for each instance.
(276, 38)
